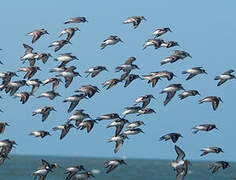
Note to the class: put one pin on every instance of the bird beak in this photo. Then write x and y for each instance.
(217, 128)
(49, 134)
(190, 56)
(106, 69)
(154, 112)
(121, 41)
(46, 32)
(222, 151)
(221, 101)
(174, 75)
(54, 109)
(69, 42)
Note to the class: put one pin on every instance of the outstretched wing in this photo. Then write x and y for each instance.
(169, 96)
(180, 153)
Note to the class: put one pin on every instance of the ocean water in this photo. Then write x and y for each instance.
(22, 167)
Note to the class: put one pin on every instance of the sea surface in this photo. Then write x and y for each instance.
(22, 167)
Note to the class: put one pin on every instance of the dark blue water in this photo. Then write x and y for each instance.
(22, 167)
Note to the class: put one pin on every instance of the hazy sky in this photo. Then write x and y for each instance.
(205, 29)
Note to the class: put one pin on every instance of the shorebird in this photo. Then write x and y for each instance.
(41, 134)
(217, 165)
(170, 59)
(71, 171)
(30, 71)
(108, 116)
(135, 20)
(7, 146)
(68, 75)
(173, 136)
(131, 110)
(194, 71)
(153, 77)
(87, 124)
(76, 20)
(45, 111)
(65, 128)
(130, 78)
(13, 87)
(83, 175)
(29, 55)
(145, 111)
(213, 99)
(65, 58)
(133, 131)
(171, 90)
(88, 90)
(37, 34)
(59, 44)
(188, 93)
(204, 127)
(55, 82)
(144, 99)
(49, 94)
(182, 171)
(6, 78)
(78, 116)
(119, 140)
(43, 56)
(74, 99)
(127, 66)
(111, 83)
(179, 159)
(3, 126)
(182, 54)
(112, 164)
(119, 124)
(111, 40)
(153, 42)
(69, 31)
(94, 71)
(24, 96)
(135, 124)
(211, 150)
(159, 32)
(225, 76)
(169, 44)
(35, 83)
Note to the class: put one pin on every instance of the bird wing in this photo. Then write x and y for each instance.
(169, 96)
(119, 144)
(28, 49)
(191, 76)
(70, 175)
(215, 169)
(145, 103)
(36, 36)
(72, 106)
(89, 127)
(58, 47)
(119, 129)
(228, 72)
(70, 35)
(24, 98)
(55, 85)
(64, 132)
(2, 128)
(45, 116)
(204, 153)
(221, 82)
(180, 153)
(68, 81)
(34, 88)
(215, 104)
(154, 82)
(95, 74)
(111, 168)
(42, 177)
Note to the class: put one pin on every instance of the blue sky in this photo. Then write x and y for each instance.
(204, 29)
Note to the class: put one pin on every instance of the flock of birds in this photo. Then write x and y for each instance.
(78, 172)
